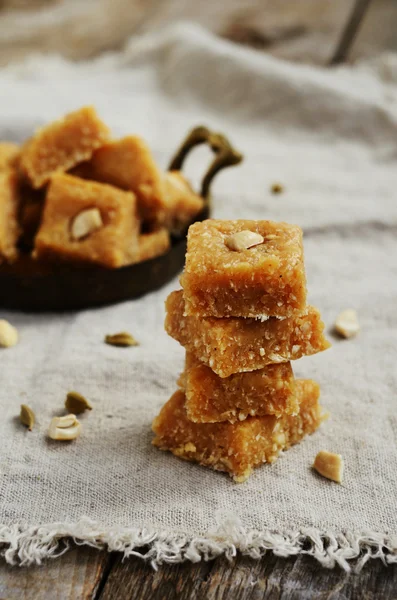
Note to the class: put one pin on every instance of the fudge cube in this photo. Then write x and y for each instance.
(226, 275)
(30, 214)
(180, 204)
(164, 199)
(233, 345)
(152, 244)
(88, 222)
(30, 221)
(9, 154)
(128, 164)
(61, 145)
(9, 209)
(236, 448)
(211, 399)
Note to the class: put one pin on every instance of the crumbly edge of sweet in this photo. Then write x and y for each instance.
(285, 432)
(282, 439)
(197, 337)
(206, 283)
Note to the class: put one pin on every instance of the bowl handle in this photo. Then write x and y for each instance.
(225, 155)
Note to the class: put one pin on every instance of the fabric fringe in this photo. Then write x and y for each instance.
(28, 545)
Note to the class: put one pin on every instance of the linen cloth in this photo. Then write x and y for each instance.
(329, 136)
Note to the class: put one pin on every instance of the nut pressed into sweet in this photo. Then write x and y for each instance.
(329, 465)
(243, 240)
(86, 222)
(347, 324)
(264, 277)
(8, 334)
(112, 245)
(64, 428)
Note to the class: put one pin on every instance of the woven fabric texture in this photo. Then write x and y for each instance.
(330, 138)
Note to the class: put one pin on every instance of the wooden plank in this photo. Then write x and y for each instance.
(137, 580)
(75, 575)
(271, 578)
(84, 573)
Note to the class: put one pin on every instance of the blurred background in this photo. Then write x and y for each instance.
(312, 31)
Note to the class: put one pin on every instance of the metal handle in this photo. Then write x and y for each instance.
(225, 155)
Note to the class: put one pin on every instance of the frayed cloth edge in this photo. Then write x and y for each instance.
(26, 545)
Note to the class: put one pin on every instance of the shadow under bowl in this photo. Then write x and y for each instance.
(31, 286)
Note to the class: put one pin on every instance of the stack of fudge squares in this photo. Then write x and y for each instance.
(242, 317)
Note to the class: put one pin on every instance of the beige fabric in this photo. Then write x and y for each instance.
(330, 138)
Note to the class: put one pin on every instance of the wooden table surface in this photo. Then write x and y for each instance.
(84, 573)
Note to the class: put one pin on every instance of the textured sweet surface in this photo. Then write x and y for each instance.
(113, 245)
(9, 208)
(30, 213)
(233, 345)
(153, 244)
(30, 218)
(236, 448)
(158, 204)
(212, 399)
(164, 198)
(62, 145)
(128, 164)
(181, 203)
(9, 153)
(266, 279)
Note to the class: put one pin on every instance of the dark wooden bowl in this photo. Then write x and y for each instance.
(32, 286)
